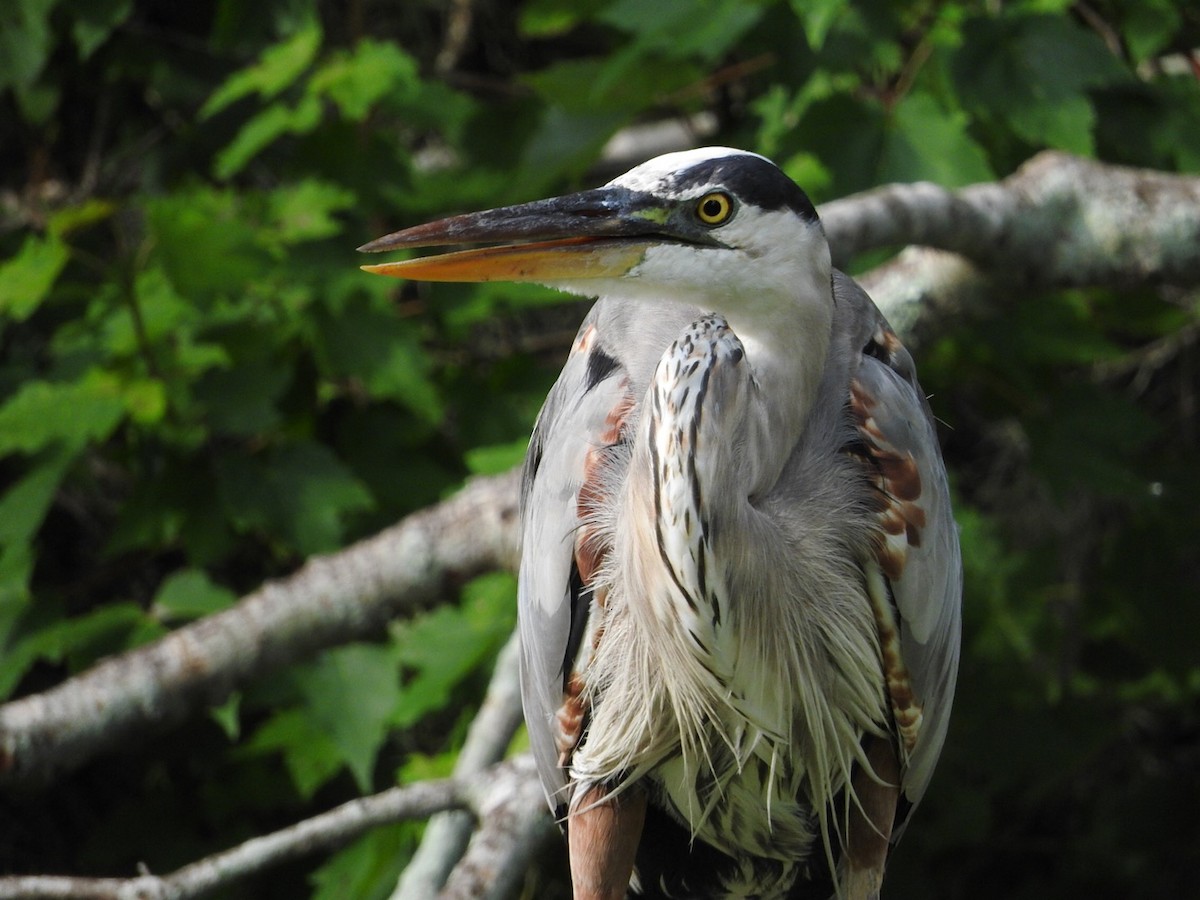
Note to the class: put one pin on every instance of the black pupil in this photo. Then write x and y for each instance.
(712, 208)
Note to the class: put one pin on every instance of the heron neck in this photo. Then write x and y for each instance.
(786, 347)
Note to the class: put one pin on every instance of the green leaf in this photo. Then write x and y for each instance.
(819, 17)
(145, 400)
(72, 218)
(304, 211)
(358, 80)
(205, 242)
(190, 594)
(242, 399)
(1034, 73)
(263, 130)
(228, 715)
(585, 86)
(368, 868)
(38, 102)
(444, 646)
(1148, 26)
(350, 693)
(277, 68)
(162, 316)
(94, 20)
(317, 491)
(1066, 124)
(299, 492)
(310, 755)
(564, 142)
(705, 29)
(497, 458)
(23, 508)
(381, 350)
(42, 413)
(551, 18)
(26, 278)
(25, 40)
(928, 143)
(24, 505)
(81, 640)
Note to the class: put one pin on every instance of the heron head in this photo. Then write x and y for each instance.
(709, 227)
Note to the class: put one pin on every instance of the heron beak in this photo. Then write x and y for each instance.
(601, 233)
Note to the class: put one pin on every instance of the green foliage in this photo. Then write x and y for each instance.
(198, 389)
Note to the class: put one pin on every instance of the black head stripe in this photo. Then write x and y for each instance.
(752, 179)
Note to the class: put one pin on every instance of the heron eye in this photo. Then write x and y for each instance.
(715, 208)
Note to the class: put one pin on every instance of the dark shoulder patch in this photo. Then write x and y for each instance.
(599, 366)
(752, 179)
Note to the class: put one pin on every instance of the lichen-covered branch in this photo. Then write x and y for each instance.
(1059, 221)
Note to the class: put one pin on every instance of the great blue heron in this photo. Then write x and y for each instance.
(740, 583)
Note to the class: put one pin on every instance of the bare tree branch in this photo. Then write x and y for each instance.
(331, 600)
(505, 799)
(514, 822)
(448, 833)
(323, 832)
(1059, 221)
(921, 287)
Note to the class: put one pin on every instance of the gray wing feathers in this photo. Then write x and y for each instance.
(568, 427)
(928, 591)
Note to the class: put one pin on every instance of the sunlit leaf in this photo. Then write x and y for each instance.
(263, 130)
(497, 458)
(310, 755)
(42, 413)
(444, 646)
(190, 594)
(27, 278)
(818, 17)
(350, 693)
(928, 143)
(305, 211)
(358, 80)
(277, 68)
